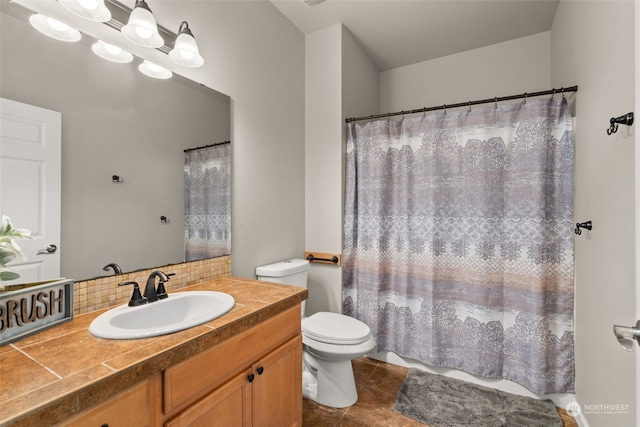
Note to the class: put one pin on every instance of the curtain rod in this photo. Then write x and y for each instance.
(466, 104)
(207, 146)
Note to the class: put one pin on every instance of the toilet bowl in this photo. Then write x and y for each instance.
(330, 342)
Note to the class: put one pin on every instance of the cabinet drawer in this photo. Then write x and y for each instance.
(195, 377)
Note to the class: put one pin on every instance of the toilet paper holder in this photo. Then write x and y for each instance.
(627, 334)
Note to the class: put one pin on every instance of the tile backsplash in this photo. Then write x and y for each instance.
(103, 292)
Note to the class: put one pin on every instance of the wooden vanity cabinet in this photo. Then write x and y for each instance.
(251, 379)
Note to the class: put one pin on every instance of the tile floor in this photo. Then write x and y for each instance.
(377, 384)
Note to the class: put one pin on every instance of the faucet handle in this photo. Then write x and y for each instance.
(161, 291)
(136, 298)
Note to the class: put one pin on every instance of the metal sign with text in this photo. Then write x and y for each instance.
(34, 307)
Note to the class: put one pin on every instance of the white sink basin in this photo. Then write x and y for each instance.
(182, 310)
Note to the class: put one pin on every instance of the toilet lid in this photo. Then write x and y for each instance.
(335, 328)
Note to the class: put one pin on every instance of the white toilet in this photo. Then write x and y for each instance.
(331, 341)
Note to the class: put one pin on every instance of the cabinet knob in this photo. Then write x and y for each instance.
(260, 370)
(251, 377)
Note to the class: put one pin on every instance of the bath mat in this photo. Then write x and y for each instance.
(439, 401)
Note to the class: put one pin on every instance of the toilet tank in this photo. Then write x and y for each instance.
(291, 272)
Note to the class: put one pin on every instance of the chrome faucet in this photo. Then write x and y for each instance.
(116, 268)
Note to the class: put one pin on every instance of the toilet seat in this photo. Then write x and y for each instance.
(335, 329)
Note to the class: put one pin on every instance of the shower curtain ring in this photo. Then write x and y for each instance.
(524, 101)
(469, 105)
(553, 94)
(445, 108)
(496, 101)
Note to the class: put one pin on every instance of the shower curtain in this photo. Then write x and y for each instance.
(458, 248)
(207, 198)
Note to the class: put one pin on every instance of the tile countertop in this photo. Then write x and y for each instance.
(51, 375)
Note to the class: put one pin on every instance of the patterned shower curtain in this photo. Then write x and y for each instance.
(458, 247)
(207, 198)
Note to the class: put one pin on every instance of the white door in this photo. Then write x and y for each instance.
(30, 170)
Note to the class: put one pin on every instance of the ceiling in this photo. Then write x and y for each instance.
(395, 33)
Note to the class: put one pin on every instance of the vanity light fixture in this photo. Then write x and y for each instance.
(150, 69)
(93, 10)
(142, 28)
(111, 53)
(53, 28)
(185, 50)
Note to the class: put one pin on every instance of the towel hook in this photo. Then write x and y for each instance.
(626, 119)
(586, 225)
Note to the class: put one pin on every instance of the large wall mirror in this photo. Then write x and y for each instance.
(115, 121)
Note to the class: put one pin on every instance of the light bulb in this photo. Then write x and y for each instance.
(88, 4)
(57, 25)
(113, 50)
(187, 54)
(93, 10)
(185, 49)
(144, 33)
(53, 28)
(154, 70)
(110, 52)
(141, 28)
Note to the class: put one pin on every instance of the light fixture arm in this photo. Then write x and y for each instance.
(184, 29)
(142, 4)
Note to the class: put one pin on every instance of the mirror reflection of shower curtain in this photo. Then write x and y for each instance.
(458, 247)
(207, 198)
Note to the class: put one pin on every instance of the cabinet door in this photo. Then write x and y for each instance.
(132, 407)
(277, 388)
(228, 405)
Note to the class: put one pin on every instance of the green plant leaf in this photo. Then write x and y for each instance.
(8, 275)
(6, 257)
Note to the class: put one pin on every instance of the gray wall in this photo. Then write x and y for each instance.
(342, 82)
(584, 33)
